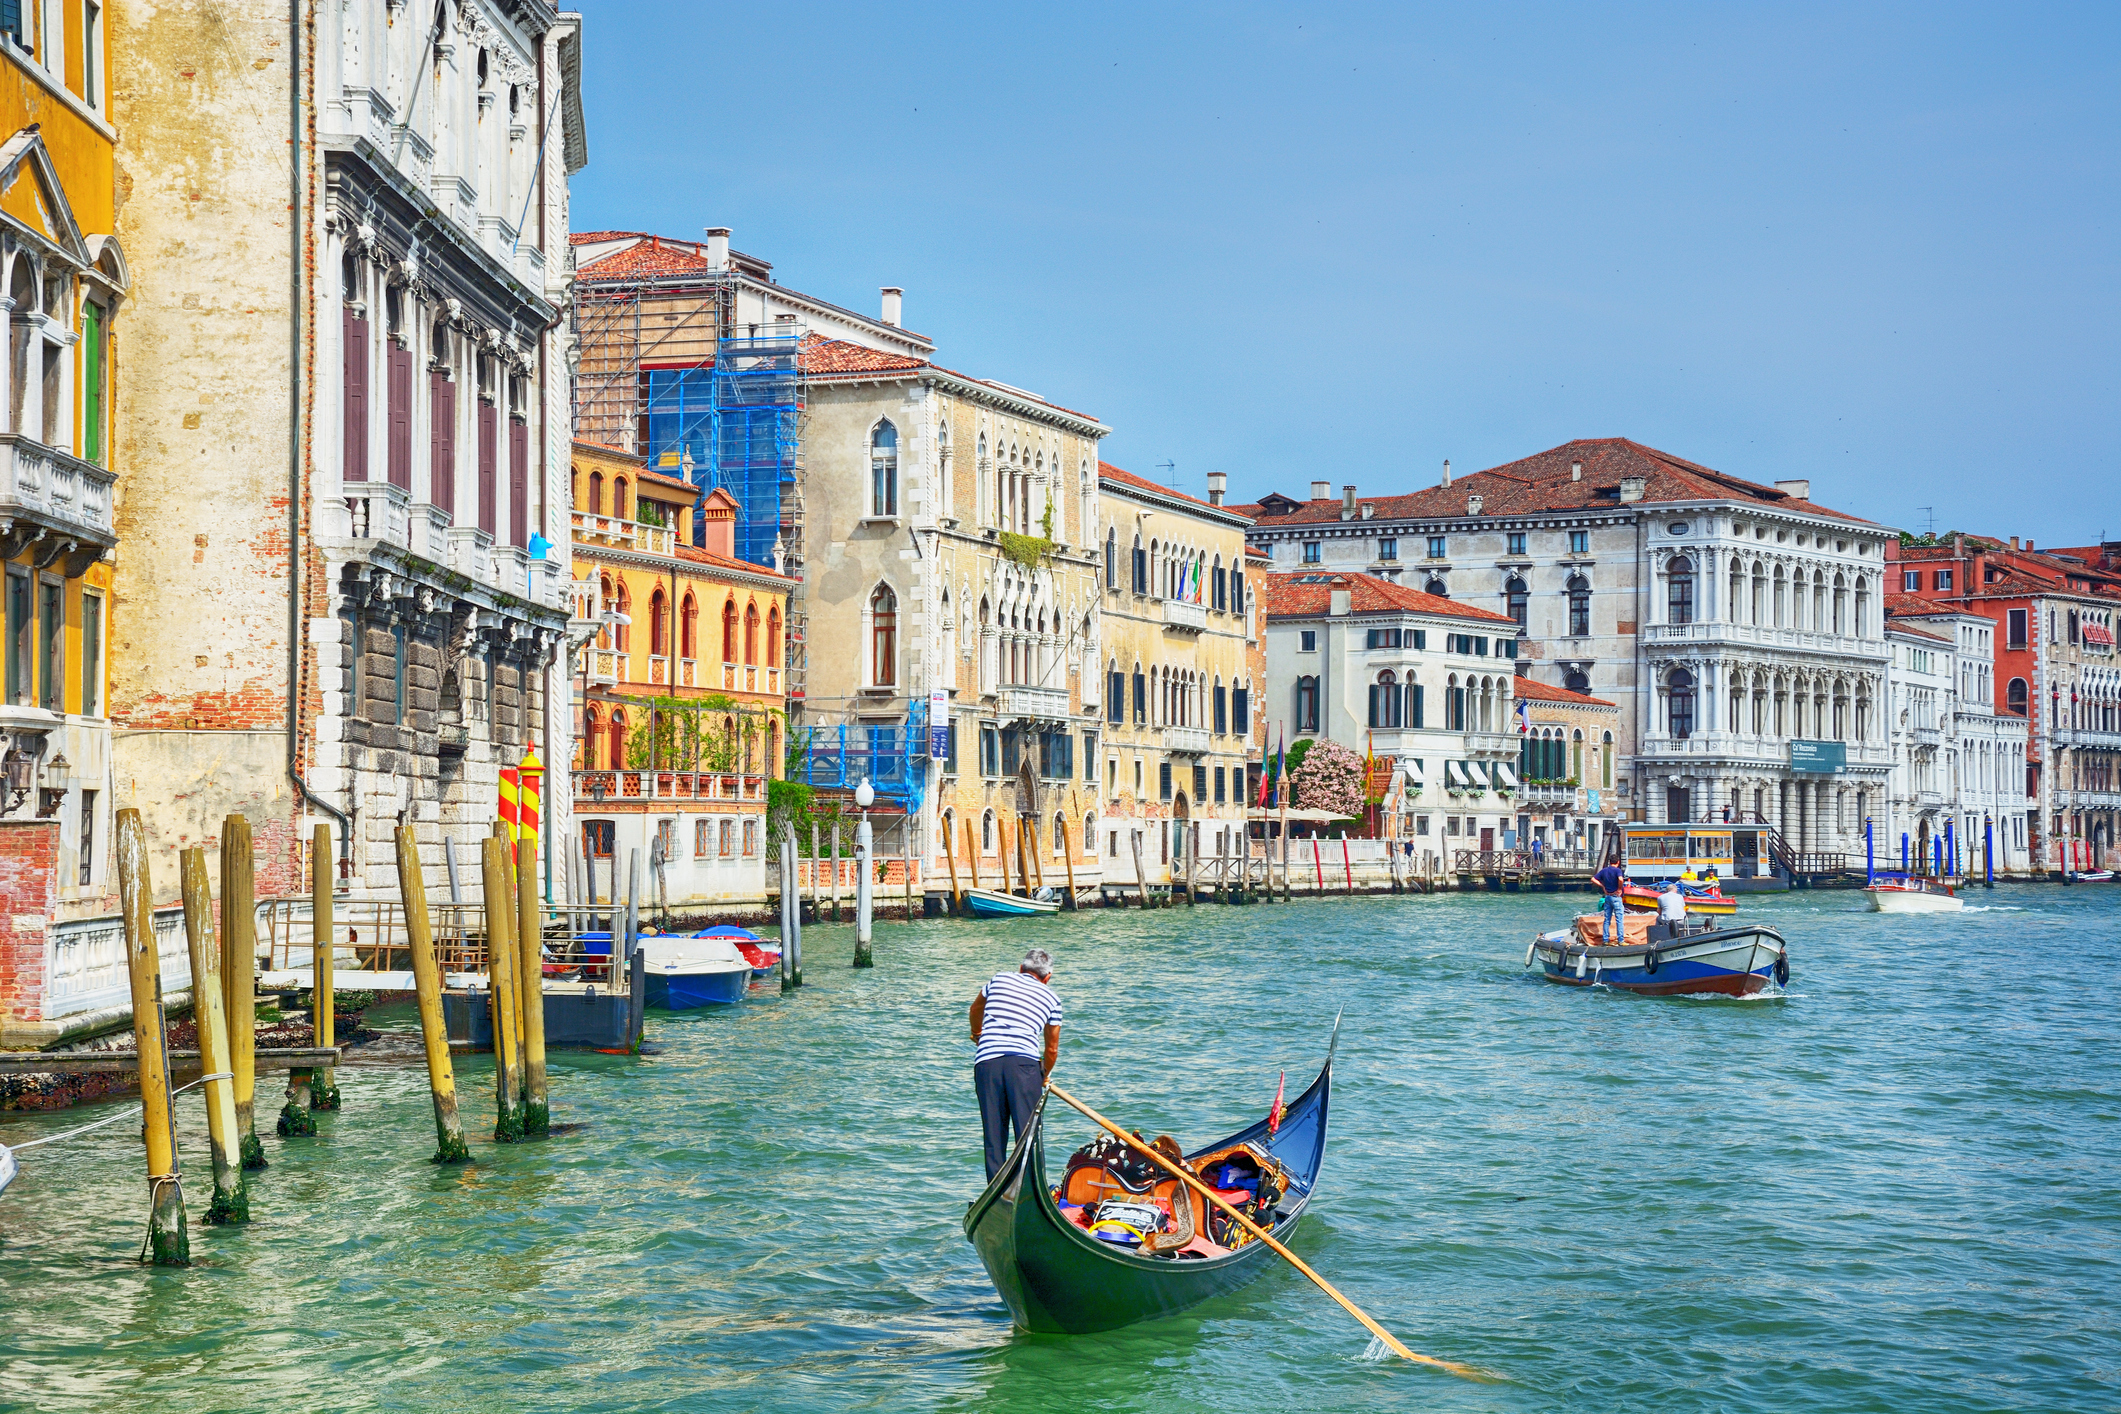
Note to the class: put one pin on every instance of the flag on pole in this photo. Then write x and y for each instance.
(1274, 1115)
(1524, 717)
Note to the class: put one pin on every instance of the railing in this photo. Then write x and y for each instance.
(1760, 748)
(55, 486)
(1925, 736)
(1034, 704)
(608, 665)
(377, 510)
(623, 534)
(1188, 618)
(725, 786)
(1187, 741)
(1839, 645)
(85, 968)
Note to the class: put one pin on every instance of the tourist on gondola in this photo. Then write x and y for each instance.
(1610, 880)
(1016, 1022)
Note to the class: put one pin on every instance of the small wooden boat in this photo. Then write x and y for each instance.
(1663, 960)
(1904, 894)
(1056, 1277)
(1699, 899)
(684, 973)
(992, 903)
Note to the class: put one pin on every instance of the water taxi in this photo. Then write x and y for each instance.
(1911, 893)
(1663, 959)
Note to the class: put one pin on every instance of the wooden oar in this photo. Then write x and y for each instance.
(1391, 1341)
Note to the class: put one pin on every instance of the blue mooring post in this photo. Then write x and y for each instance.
(1903, 852)
(1870, 851)
(1951, 844)
(1988, 852)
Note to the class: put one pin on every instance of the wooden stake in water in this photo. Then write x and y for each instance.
(1068, 858)
(530, 974)
(239, 978)
(296, 1119)
(231, 1194)
(324, 1090)
(427, 978)
(1141, 877)
(501, 980)
(168, 1243)
(957, 895)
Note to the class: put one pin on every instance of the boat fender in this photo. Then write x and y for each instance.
(1782, 970)
(1581, 959)
(1650, 962)
(1529, 949)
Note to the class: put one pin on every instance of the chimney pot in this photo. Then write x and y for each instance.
(1446, 471)
(717, 247)
(1321, 491)
(2028, 544)
(1575, 471)
(892, 297)
(1796, 490)
(1218, 483)
(2014, 542)
(1633, 488)
(1347, 503)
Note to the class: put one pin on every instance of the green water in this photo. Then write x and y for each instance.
(1893, 1189)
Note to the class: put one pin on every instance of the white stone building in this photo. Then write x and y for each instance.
(1956, 757)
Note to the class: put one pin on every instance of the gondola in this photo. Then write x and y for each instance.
(1057, 1278)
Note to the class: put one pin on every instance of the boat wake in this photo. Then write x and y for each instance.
(1376, 1350)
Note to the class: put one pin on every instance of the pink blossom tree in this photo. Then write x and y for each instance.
(1330, 777)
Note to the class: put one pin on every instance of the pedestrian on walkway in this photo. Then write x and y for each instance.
(1613, 928)
(1016, 1021)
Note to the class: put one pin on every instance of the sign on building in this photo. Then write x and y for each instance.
(939, 725)
(1817, 758)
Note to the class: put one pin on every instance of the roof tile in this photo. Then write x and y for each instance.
(1307, 594)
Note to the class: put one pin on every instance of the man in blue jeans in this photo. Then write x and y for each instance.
(1016, 1029)
(1609, 881)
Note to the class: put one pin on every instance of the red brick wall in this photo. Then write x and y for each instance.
(29, 901)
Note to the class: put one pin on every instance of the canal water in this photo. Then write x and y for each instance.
(1894, 1188)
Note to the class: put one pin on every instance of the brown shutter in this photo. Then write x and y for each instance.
(518, 482)
(442, 440)
(488, 432)
(400, 394)
(353, 343)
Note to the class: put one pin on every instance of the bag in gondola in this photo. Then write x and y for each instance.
(1134, 1172)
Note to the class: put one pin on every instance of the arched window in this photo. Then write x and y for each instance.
(619, 507)
(1863, 607)
(689, 627)
(2014, 697)
(1736, 599)
(1840, 605)
(1307, 704)
(1605, 762)
(751, 633)
(1518, 599)
(1576, 680)
(729, 630)
(1759, 592)
(1781, 593)
(1579, 607)
(1221, 587)
(1141, 567)
(624, 632)
(658, 629)
(1576, 755)
(596, 493)
(1237, 589)
(986, 832)
(942, 467)
(1112, 559)
(773, 637)
(1385, 699)
(1679, 580)
(1681, 692)
(1734, 701)
(605, 601)
(1437, 587)
(883, 469)
(1060, 835)
(1454, 705)
(615, 740)
(883, 637)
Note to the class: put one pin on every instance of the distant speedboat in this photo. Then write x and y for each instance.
(1912, 895)
(2093, 876)
(684, 973)
(990, 903)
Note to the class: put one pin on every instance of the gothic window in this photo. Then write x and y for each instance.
(1518, 599)
(1579, 608)
(883, 469)
(883, 637)
(1112, 559)
(1576, 680)
(1307, 704)
(773, 637)
(689, 628)
(729, 630)
(751, 633)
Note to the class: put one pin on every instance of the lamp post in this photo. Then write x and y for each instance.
(864, 797)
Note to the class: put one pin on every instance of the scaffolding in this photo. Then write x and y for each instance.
(892, 757)
(754, 398)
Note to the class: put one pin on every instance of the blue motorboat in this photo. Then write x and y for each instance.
(688, 972)
(992, 903)
(1663, 959)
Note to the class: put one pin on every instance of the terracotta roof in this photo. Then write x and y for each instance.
(708, 557)
(1108, 472)
(1541, 483)
(1537, 691)
(1912, 632)
(1308, 594)
(645, 260)
(820, 355)
(1916, 604)
(614, 451)
(596, 237)
(650, 477)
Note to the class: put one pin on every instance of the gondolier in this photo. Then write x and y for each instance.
(1016, 1021)
(1610, 881)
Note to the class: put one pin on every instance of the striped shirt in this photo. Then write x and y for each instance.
(1019, 1009)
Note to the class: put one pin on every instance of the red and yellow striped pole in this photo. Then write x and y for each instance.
(530, 788)
(510, 785)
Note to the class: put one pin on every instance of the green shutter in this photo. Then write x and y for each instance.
(92, 372)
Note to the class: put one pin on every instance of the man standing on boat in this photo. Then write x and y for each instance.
(1609, 880)
(1016, 1029)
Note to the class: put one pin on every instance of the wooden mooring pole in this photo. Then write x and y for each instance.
(168, 1243)
(530, 938)
(324, 1086)
(1068, 858)
(501, 986)
(427, 978)
(231, 1194)
(957, 895)
(239, 979)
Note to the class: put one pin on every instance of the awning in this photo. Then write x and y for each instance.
(1505, 778)
(1417, 773)
(1454, 775)
(2099, 634)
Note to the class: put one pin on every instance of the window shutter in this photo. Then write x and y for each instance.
(518, 482)
(442, 441)
(400, 395)
(353, 346)
(1241, 711)
(1373, 706)
(488, 490)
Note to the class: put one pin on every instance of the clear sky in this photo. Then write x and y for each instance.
(1876, 247)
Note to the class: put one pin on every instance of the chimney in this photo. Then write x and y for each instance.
(1575, 471)
(1368, 510)
(1218, 482)
(892, 295)
(2014, 542)
(1795, 490)
(1958, 547)
(1347, 503)
(2028, 544)
(717, 247)
(1473, 505)
(1321, 491)
(1447, 471)
(1338, 599)
(1633, 488)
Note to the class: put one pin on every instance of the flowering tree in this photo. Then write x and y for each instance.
(1329, 778)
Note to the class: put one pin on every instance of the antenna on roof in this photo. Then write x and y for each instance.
(1170, 470)
(1931, 513)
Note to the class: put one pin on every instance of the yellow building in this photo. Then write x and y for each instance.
(680, 707)
(65, 279)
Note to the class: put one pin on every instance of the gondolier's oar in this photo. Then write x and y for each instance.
(1464, 1371)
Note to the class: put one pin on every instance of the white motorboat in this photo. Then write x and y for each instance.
(1912, 895)
(7, 1167)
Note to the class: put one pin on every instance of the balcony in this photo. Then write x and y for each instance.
(1753, 750)
(1838, 645)
(55, 502)
(749, 677)
(1186, 618)
(593, 788)
(1925, 736)
(1034, 704)
(1187, 741)
(622, 534)
(688, 672)
(1502, 745)
(607, 666)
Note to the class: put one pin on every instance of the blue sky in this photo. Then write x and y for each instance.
(1876, 247)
